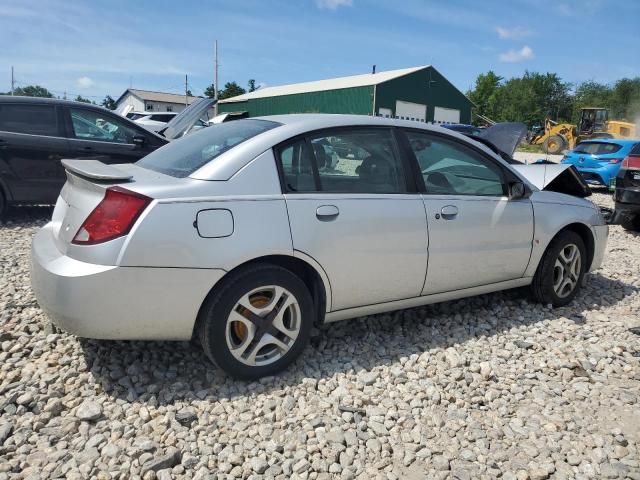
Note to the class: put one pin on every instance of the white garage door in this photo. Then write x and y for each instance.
(411, 111)
(446, 115)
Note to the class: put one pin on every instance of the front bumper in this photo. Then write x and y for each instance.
(117, 303)
(601, 234)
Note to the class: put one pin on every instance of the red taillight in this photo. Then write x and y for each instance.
(631, 162)
(112, 218)
(615, 160)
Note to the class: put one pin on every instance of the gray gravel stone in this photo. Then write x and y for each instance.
(89, 410)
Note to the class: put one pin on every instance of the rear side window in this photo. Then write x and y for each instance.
(182, 157)
(636, 149)
(359, 160)
(597, 148)
(30, 119)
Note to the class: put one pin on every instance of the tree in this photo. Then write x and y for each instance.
(82, 99)
(252, 85)
(210, 91)
(109, 102)
(231, 89)
(33, 91)
(484, 93)
(189, 92)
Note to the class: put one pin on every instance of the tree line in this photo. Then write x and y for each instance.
(231, 89)
(535, 96)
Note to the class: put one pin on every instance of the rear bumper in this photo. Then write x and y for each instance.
(601, 235)
(117, 303)
(601, 176)
(627, 203)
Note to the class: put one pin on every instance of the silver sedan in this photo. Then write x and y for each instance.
(246, 234)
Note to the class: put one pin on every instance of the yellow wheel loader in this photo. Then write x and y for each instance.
(594, 123)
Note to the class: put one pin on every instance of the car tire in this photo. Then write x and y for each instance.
(631, 223)
(257, 323)
(554, 144)
(557, 280)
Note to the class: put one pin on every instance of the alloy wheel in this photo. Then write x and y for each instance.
(263, 325)
(566, 270)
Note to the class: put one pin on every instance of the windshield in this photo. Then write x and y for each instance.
(182, 157)
(597, 148)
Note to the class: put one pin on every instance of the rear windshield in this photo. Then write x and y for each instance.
(182, 157)
(597, 148)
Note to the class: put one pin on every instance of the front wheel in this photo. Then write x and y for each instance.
(561, 270)
(554, 144)
(257, 323)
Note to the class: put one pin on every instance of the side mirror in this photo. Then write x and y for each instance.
(139, 140)
(518, 190)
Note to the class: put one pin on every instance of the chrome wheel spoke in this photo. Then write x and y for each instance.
(566, 270)
(263, 325)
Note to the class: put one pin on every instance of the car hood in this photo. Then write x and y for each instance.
(182, 123)
(554, 177)
(505, 136)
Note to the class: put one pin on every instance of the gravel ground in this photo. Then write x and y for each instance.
(528, 157)
(492, 386)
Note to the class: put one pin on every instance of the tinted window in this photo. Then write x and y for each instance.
(31, 119)
(636, 149)
(597, 148)
(161, 117)
(450, 168)
(95, 125)
(182, 157)
(348, 161)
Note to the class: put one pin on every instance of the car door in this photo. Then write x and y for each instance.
(352, 210)
(31, 147)
(477, 234)
(99, 135)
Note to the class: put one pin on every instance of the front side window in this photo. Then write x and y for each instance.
(346, 161)
(95, 125)
(29, 119)
(450, 168)
(183, 156)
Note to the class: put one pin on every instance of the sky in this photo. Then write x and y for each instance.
(94, 48)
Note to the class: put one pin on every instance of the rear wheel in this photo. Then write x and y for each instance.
(257, 323)
(631, 223)
(561, 270)
(554, 144)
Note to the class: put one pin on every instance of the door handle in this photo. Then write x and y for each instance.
(327, 213)
(449, 211)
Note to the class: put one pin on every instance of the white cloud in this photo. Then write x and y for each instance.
(515, 56)
(512, 33)
(85, 82)
(333, 4)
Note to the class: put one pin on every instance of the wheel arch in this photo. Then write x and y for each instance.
(316, 282)
(585, 234)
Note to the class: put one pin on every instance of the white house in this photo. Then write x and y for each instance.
(148, 101)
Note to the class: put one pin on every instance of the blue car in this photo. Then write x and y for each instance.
(599, 160)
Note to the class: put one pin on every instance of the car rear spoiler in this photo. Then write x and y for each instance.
(95, 170)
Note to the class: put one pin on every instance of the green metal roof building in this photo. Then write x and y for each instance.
(419, 93)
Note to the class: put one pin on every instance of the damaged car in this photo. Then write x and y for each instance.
(239, 235)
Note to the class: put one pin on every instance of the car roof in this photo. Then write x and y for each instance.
(44, 100)
(615, 141)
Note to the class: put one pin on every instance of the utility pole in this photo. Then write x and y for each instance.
(186, 90)
(215, 82)
(13, 81)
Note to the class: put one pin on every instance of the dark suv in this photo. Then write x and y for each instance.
(627, 194)
(36, 133)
